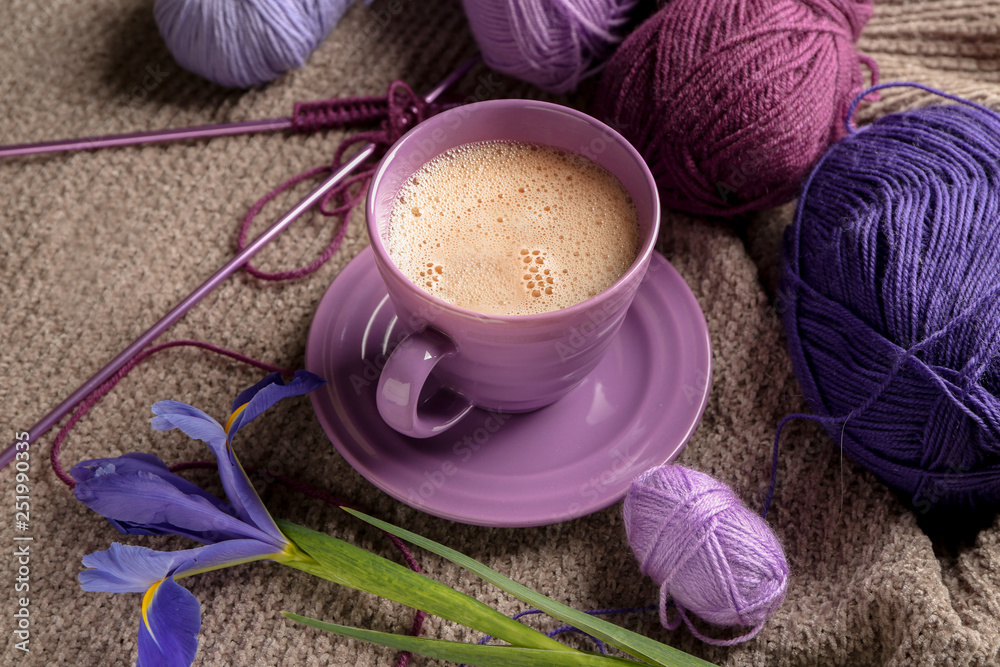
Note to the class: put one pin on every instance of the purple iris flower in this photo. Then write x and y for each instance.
(138, 494)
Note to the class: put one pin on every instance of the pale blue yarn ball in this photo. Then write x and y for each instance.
(243, 43)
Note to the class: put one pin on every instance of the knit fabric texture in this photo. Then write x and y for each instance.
(96, 246)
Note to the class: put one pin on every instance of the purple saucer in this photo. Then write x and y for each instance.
(635, 411)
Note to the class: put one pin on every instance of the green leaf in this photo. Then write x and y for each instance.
(351, 566)
(632, 643)
(470, 654)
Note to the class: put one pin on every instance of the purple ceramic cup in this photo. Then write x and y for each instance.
(453, 359)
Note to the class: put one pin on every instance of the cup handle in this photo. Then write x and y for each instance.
(402, 381)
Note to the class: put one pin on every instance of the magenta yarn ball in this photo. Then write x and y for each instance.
(553, 44)
(710, 554)
(731, 102)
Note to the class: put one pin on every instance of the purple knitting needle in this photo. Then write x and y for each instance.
(178, 311)
(307, 116)
(153, 136)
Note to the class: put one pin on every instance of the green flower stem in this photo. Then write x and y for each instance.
(470, 654)
(632, 643)
(351, 566)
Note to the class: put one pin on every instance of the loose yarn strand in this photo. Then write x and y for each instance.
(400, 109)
(712, 640)
(84, 407)
(875, 87)
(569, 628)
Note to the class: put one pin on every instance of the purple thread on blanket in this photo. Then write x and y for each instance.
(554, 44)
(569, 628)
(402, 110)
(890, 294)
(98, 393)
(709, 553)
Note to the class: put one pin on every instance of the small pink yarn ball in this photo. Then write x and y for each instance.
(731, 102)
(709, 553)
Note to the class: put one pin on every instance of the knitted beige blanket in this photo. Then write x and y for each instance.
(96, 246)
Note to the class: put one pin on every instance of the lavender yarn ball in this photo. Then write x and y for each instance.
(891, 299)
(553, 44)
(245, 43)
(711, 554)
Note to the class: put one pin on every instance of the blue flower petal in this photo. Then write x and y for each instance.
(239, 490)
(126, 528)
(190, 420)
(125, 568)
(128, 569)
(226, 554)
(149, 502)
(266, 393)
(136, 461)
(247, 394)
(169, 627)
(85, 470)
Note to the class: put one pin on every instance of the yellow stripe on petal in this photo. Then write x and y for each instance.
(232, 417)
(147, 600)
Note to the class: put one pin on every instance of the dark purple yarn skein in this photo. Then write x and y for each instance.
(891, 300)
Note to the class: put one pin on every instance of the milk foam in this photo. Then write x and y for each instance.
(509, 228)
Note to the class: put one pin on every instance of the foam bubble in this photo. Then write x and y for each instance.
(541, 229)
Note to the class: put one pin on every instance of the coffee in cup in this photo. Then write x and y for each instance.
(511, 228)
